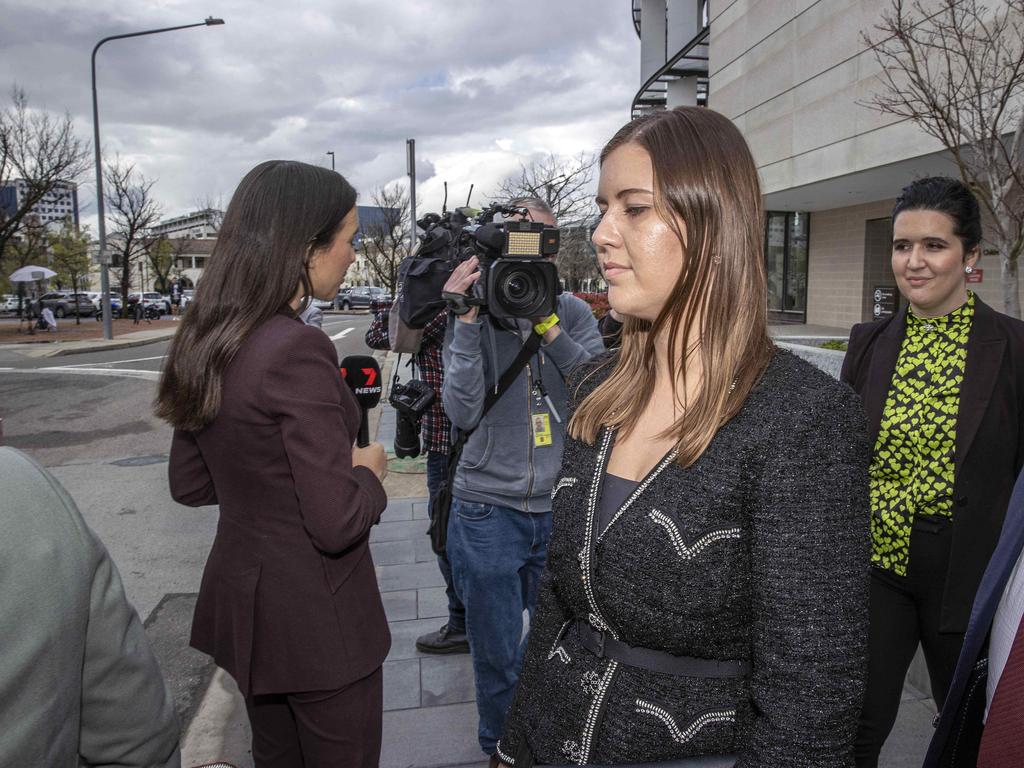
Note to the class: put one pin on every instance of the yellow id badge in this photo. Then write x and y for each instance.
(541, 429)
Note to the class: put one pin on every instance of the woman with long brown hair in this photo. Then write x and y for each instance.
(705, 598)
(264, 427)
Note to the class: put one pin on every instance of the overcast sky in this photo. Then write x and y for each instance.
(481, 86)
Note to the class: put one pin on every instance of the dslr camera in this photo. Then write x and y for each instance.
(410, 401)
(517, 278)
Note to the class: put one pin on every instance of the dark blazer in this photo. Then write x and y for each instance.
(958, 731)
(990, 438)
(758, 552)
(289, 599)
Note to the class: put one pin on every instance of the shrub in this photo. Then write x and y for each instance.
(838, 344)
(598, 303)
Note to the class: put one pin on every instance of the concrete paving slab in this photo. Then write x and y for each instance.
(409, 576)
(432, 602)
(908, 742)
(393, 552)
(403, 637)
(446, 680)
(424, 552)
(397, 531)
(420, 510)
(397, 514)
(431, 737)
(400, 606)
(401, 684)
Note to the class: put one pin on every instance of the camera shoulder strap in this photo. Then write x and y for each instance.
(510, 374)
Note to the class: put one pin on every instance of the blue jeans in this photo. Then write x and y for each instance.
(437, 473)
(497, 556)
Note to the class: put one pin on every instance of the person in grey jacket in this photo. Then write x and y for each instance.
(501, 508)
(78, 681)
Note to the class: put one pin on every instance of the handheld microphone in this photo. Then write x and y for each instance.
(362, 374)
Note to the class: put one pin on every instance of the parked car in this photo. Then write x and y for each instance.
(360, 297)
(321, 304)
(163, 303)
(9, 304)
(186, 297)
(63, 303)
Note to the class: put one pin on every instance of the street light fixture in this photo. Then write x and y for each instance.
(332, 159)
(104, 257)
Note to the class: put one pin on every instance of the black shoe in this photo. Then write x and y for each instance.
(443, 641)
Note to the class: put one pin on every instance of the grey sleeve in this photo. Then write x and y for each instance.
(810, 556)
(462, 393)
(579, 340)
(128, 717)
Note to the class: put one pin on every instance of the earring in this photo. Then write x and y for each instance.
(968, 269)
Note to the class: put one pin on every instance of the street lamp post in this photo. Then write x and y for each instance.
(332, 159)
(104, 257)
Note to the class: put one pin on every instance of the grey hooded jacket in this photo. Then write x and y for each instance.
(501, 463)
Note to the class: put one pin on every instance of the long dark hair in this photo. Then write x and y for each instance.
(705, 176)
(948, 196)
(280, 214)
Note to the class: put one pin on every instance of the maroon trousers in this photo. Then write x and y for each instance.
(319, 729)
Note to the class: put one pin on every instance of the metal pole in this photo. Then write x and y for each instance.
(410, 151)
(103, 257)
(332, 160)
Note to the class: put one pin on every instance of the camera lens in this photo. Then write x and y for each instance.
(518, 288)
(407, 437)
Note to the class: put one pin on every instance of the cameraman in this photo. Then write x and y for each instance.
(451, 637)
(501, 508)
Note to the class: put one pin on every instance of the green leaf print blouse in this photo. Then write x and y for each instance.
(912, 468)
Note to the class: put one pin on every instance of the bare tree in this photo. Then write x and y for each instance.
(69, 256)
(957, 70)
(161, 255)
(385, 236)
(40, 149)
(564, 183)
(577, 260)
(132, 211)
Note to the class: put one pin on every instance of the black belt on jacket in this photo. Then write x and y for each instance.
(602, 645)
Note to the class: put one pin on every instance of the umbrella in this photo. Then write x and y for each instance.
(31, 274)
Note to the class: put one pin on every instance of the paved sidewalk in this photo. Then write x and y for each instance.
(123, 341)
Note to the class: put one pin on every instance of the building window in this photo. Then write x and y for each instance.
(785, 253)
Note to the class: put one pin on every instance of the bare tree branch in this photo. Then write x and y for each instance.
(40, 149)
(563, 183)
(132, 210)
(385, 237)
(956, 68)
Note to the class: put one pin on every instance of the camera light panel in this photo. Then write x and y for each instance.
(523, 243)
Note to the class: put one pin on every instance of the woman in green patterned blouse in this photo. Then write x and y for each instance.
(942, 385)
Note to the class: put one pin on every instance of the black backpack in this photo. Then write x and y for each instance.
(421, 277)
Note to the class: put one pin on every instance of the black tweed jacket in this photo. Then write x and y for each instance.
(759, 551)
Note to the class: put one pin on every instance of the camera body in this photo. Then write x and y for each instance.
(410, 401)
(518, 279)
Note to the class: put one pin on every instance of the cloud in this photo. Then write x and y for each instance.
(479, 88)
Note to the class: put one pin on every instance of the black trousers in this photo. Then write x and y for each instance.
(319, 729)
(904, 612)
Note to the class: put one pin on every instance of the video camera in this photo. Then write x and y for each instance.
(517, 280)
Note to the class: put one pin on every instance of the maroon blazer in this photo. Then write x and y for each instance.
(289, 599)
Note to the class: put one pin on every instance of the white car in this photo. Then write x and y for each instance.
(9, 304)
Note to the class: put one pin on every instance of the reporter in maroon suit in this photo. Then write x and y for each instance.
(264, 427)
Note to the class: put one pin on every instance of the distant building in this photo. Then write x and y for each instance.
(53, 209)
(201, 225)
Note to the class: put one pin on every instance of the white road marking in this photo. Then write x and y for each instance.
(342, 334)
(124, 372)
(114, 362)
